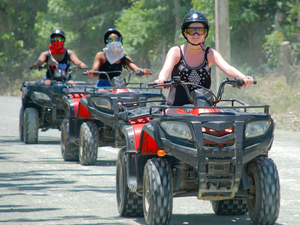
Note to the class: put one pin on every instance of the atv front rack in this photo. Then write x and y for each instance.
(163, 109)
(141, 86)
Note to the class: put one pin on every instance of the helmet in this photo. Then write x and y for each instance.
(112, 31)
(194, 17)
(58, 32)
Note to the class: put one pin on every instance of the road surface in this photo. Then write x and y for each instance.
(38, 187)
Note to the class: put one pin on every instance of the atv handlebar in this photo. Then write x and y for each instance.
(237, 82)
(71, 68)
(106, 73)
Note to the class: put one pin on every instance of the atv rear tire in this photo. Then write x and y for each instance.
(264, 205)
(157, 192)
(31, 125)
(69, 150)
(230, 207)
(129, 203)
(21, 124)
(88, 143)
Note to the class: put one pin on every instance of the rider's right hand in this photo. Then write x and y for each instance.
(34, 66)
(158, 81)
(90, 73)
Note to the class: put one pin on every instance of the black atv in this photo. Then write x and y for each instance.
(91, 119)
(42, 105)
(217, 153)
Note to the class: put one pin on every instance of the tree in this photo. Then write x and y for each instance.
(149, 28)
(17, 37)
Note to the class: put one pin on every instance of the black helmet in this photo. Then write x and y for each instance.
(194, 17)
(112, 31)
(58, 32)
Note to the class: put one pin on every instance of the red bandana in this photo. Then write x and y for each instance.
(56, 49)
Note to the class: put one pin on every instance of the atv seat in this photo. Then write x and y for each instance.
(136, 113)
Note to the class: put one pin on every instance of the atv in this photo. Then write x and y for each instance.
(215, 149)
(42, 105)
(91, 118)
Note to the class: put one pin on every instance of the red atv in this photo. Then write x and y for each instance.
(42, 106)
(217, 153)
(93, 115)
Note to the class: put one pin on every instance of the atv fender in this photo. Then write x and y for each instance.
(71, 103)
(148, 144)
(83, 111)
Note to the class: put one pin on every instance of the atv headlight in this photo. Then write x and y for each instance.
(102, 103)
(256, 128)
(177, 129)
(41, 96)
(156, 101)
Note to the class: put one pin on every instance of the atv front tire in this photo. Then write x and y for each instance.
(88, 143)
(230, 207)
(69, 150)
(31, 125)
(157, 192)
(129, 203)
(21, 124)
(264, 205)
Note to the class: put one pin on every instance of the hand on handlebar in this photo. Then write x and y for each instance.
(146, 72)
(158, 81)
(90, 73)
(248, 80)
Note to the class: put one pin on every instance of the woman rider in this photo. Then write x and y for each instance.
(112, 58)
(192, 61)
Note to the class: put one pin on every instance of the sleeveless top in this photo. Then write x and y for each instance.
(63, 64)
(200, 75)
(106, 66)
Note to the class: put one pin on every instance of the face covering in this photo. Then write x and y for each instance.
(114, 51)
(57, 47)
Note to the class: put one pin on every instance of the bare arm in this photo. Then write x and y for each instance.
(42, 58)
(216, 58)
(171, 60)
(134, 67)
(75, 59)
(99, 58)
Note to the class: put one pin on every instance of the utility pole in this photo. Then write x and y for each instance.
(222, 33)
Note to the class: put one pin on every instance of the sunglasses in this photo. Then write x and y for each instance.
(58, 39)
(113, 39)
(195, 30)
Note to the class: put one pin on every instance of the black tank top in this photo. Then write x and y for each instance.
(63, 64)
(106, 66)
(198, 75)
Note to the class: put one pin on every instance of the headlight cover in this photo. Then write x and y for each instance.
(102, 103)
(156, 103)
(177, 129)
(41, 96)
(257, 128)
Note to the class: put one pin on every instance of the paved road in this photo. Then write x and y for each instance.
(38, 187)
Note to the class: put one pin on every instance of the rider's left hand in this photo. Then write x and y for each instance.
(248, 80)
(146, 72)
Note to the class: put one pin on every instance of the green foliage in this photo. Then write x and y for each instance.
(149, 29)
(17, 37)
(288, 31)
(272, 48)
(84, 23)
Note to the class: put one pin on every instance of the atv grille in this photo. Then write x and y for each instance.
(140, 121)
(208, 140)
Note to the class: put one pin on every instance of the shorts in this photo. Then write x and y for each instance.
(102, 83)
